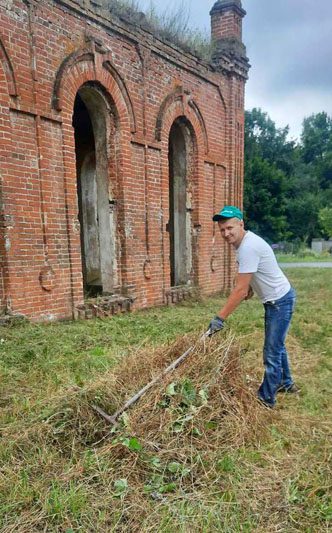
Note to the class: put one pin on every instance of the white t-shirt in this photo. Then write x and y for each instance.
(255, 256)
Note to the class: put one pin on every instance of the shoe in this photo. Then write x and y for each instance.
(292, 389)
(266, 404)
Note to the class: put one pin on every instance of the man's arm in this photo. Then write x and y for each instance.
(238, 294)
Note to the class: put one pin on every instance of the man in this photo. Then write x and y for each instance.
(258, 271)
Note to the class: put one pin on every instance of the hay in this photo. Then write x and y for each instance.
(208, 389)
(166, 445)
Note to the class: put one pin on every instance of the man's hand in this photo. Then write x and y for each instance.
(216, 325)
(250, 293)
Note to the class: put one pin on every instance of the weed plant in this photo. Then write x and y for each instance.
(171, 24)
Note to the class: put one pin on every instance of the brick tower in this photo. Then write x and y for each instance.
(230, 53)
(226, 19)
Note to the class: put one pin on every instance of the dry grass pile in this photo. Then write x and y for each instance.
(206, 397)
(165, 447)
(204, 402)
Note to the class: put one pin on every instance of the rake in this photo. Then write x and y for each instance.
(112, 419)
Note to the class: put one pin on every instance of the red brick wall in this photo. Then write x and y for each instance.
(47, 52)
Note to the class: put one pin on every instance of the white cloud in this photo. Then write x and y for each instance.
(289, 46)
(292, 110)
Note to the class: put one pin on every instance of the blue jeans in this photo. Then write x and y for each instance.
(277, 374)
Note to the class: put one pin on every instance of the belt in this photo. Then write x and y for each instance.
(273, 302)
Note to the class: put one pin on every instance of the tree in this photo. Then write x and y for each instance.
(264, 199)
(316, 142)
(288, 186)
(325, 218)
(302, 217)
(269, 161)
(303, 202)
(316, 137)
(264, 139)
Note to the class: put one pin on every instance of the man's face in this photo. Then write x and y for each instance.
(232, 230)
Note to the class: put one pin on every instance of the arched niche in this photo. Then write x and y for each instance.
(181, 157)
(97, 134)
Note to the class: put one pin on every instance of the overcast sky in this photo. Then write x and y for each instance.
(289, 45)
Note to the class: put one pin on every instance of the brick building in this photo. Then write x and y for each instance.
(116, 150)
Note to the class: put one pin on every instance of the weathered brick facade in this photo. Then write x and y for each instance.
(116, 150)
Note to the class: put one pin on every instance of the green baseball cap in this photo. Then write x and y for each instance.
(229, 211)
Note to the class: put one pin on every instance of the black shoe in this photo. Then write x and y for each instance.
(266, 404)
(292, 389)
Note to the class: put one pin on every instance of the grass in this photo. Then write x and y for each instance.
(171, 24)
(197, 453)
(304, 256)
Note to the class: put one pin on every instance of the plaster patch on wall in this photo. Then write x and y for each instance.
(7, 243)
(47, 278)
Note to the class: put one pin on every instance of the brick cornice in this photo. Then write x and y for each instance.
(232, 65)
(138, 34)
(231, 5)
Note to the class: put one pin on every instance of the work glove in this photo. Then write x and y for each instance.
(216, 324)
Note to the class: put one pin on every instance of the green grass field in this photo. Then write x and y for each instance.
(304, 257)
(55, 476)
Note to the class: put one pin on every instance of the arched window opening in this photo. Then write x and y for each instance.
(95, 139)
(181, 150)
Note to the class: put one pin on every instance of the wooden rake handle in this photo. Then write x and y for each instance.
(112, 419)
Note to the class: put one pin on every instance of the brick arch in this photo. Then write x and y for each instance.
(179, 104)
(124, 91)
(176, 106)
(79, 70)
(73, 59)
(82, 67)
(8, 70)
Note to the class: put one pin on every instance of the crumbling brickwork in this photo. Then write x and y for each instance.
(116, 150)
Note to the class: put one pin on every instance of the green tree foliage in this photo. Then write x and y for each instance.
(288, 185)
(311, 184)
(316, 137)
(268, 163)
(265, 204)
(267, 141)
(317, 147)
(325, 218)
